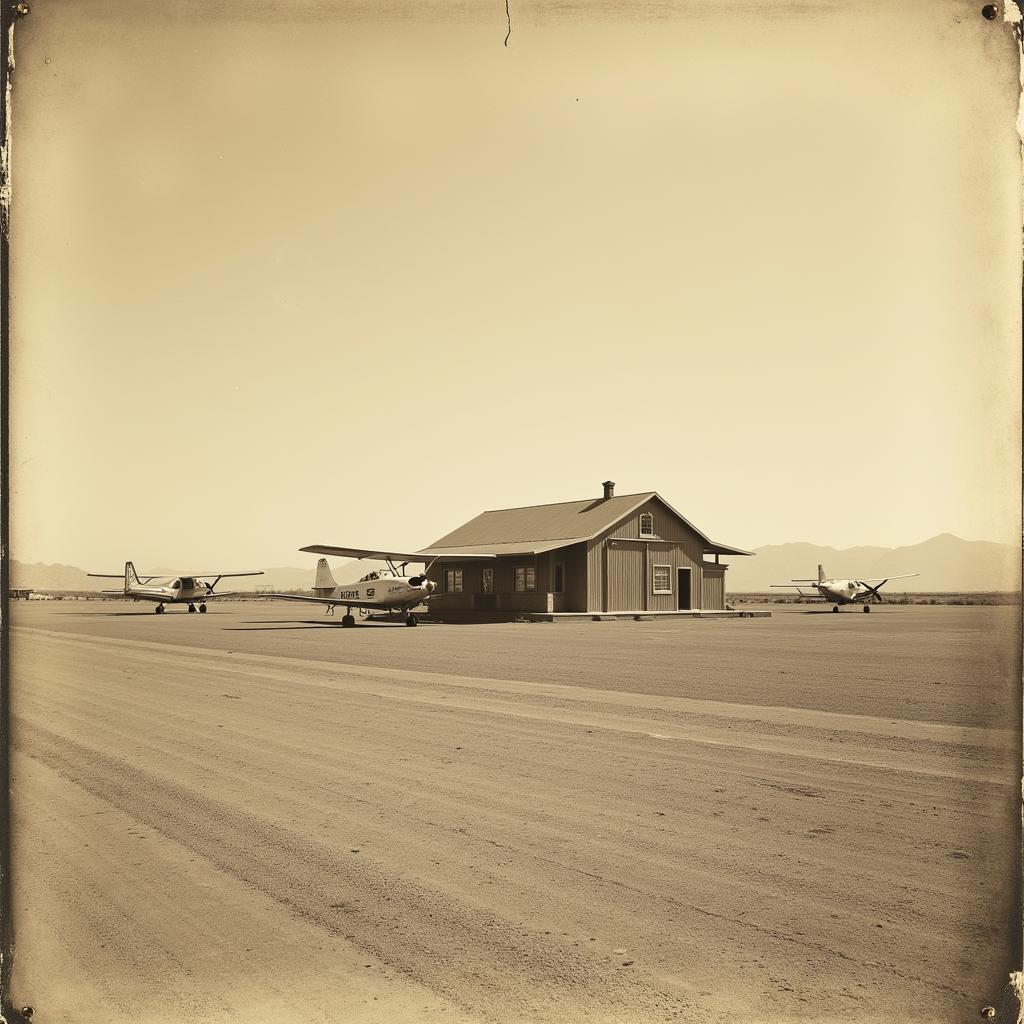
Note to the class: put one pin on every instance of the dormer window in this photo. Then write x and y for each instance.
(646, 524)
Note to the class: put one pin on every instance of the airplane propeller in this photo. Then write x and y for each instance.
(873, 591)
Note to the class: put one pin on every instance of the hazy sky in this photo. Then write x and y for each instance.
(292, 274)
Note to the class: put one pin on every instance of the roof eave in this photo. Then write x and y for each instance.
(724, 549)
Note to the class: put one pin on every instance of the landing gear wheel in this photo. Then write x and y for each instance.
(348, 621)
(159, 609)
(202, 609)
(836, 608)
(410, 619)
(191, 609)
(867, 608)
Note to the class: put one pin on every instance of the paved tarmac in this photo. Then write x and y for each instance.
(255, 814)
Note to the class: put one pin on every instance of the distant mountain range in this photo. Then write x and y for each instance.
(945, 563)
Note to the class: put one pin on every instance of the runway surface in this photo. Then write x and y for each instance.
(254, 814)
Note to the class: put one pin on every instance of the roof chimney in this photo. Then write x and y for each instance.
(609, 489)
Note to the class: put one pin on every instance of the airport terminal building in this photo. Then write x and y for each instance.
(617, 553)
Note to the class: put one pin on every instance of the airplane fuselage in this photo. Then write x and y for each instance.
(843, 591)
(176, 591)
(385, 592)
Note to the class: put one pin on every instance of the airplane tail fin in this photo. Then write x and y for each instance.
(324, 577)
(131, 579)
(821, 574)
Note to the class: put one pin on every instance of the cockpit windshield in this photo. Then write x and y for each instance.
(370, 576)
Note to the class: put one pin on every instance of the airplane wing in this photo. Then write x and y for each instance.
(393, 556)
(326, 600)
(905, 576)
(219, 575)
(794, 583)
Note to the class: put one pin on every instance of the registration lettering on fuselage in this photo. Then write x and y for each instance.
(351, 594)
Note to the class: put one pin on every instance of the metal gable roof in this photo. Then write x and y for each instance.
(529, 547)
(567, 521)
(538, 528)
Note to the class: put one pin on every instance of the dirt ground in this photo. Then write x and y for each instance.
(254, 814)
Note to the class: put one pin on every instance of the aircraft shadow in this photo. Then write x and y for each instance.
(113, 615)
(277, 624)
(828, 611)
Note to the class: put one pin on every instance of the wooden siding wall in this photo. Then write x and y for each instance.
(504, 573)
(628, 587)
(595, 575)
(625, 578)
(573, 559)
(713, 596)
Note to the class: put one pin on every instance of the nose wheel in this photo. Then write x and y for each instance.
(835, 608)
(348, 621)
(410, 619)
(159, 609)
(867, 608)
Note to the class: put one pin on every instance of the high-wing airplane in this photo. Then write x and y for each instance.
(192, 589)
(845, 591)
(389, 590)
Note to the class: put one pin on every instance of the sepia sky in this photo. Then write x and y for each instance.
(353, 273)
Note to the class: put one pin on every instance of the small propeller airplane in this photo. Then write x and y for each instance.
(845, 591)
(389, 590)
(193, 589)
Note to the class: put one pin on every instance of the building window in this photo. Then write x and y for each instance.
(486, 581)
(558, 583)
(646, 524)
(526, 579)
(662, 579)
(453, 581)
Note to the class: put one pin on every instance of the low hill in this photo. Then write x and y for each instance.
(945, 563)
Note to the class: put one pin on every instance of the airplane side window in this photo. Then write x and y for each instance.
(176, 585)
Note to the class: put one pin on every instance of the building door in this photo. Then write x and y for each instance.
(683, 589)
